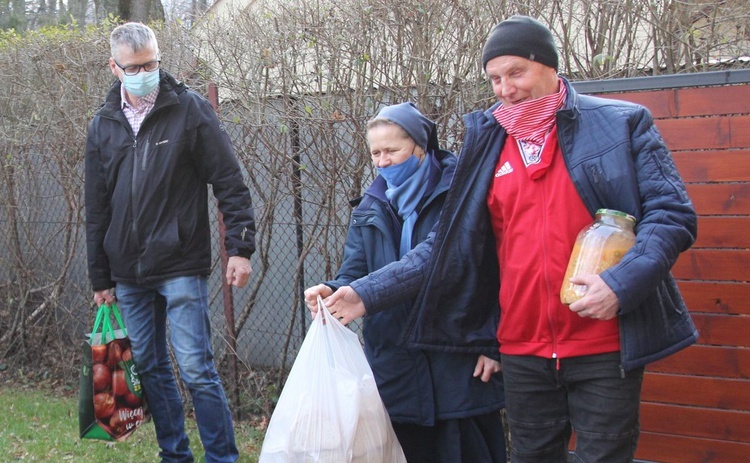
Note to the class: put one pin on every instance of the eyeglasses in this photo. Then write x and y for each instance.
(136, 68)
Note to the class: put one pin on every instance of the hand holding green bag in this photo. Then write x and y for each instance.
(111, 404)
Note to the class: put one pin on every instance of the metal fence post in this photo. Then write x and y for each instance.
(226, 291)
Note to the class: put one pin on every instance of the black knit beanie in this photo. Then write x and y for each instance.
(521, 36)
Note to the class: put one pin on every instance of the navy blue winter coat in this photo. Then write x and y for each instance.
(616, 159)
(416, 386)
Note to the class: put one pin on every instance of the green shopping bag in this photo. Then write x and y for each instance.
(111, 404)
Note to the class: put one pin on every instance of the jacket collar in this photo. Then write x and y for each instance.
(169, 90)
(570, 108)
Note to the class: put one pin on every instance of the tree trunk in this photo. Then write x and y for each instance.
(143, 11)
(77, 9)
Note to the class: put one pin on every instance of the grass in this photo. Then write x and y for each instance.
(36, 425)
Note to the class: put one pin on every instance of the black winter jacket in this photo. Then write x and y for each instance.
(416, 387)
(616, 159)
(147, 197)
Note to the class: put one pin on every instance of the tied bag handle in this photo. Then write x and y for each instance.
(328, 320)
(103, 319)
(326, 314)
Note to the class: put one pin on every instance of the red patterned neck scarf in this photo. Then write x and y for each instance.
(531, 120)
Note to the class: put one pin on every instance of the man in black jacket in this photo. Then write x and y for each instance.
(152, 150)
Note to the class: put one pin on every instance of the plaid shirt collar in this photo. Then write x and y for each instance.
(142, 104)
(138, 112)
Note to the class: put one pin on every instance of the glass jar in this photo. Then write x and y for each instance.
(597, 248)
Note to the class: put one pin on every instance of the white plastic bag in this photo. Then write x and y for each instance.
(330, 410)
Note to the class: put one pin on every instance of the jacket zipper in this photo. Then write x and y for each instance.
(550, 313)
(133, 202)
(133, 195)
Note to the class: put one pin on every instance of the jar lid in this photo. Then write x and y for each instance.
(615, 213)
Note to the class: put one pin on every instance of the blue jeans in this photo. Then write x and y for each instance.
(184, 302)
(545, 401)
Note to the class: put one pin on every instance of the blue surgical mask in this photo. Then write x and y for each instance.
(142, 83)
(397, 174)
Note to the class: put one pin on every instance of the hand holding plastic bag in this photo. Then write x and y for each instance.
(330, 409)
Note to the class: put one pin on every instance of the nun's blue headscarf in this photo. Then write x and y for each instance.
(414, 123)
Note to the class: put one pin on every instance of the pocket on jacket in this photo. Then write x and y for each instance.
(163, 248)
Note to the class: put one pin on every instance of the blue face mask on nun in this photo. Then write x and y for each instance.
(396, 175)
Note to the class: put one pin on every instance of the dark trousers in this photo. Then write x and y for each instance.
(546, 400)
(479, 439)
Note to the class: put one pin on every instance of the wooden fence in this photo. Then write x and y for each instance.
(696, 403)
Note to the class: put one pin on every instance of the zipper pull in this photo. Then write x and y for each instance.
(596, 174)
(557, 361)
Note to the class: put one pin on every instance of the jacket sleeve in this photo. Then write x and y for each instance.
(218, 165)
(398, 281)
(355, 260)
(668, 222)
(98, 214)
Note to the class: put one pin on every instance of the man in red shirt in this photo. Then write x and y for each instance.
(532, 172)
